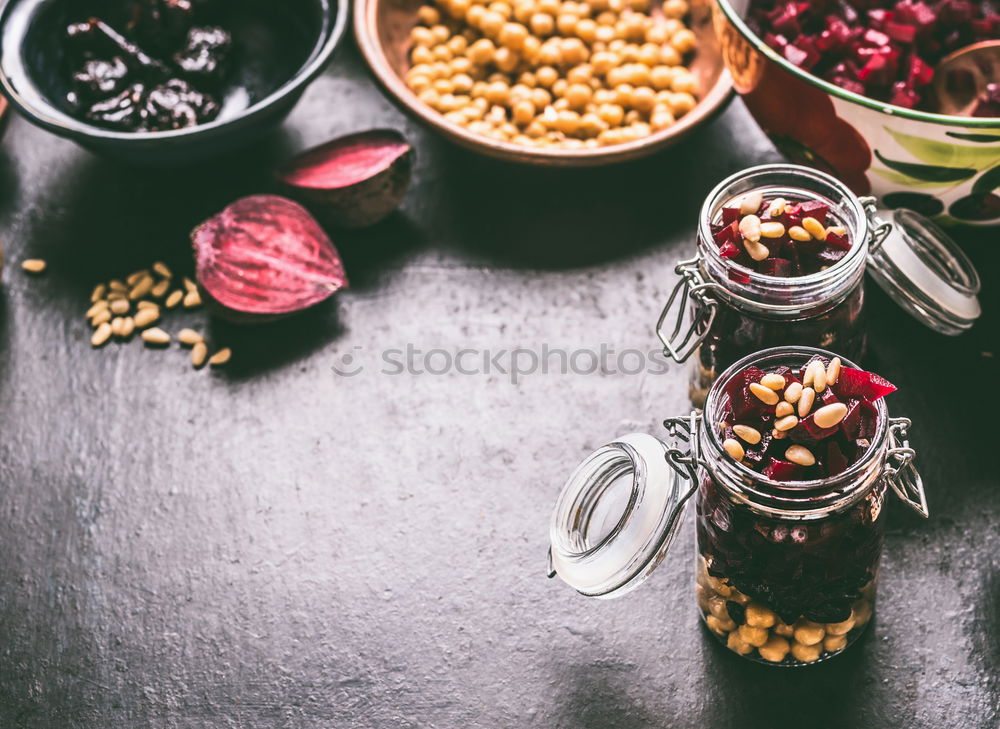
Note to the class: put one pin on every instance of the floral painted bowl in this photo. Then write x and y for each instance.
(946, 167)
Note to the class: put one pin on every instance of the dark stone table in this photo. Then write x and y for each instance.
(278, 545)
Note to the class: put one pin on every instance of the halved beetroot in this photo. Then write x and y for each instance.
(352, 181)
(266, 256)
(866, 386)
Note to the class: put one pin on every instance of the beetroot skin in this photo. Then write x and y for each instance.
(353, 181)
(265, 256)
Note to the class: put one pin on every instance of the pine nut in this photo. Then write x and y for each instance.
(800, 455)
(149, 305)
(223, 356)
(136, 276)
(747, 434)
(783, 408)
(192, 299)
(96, 308)
(116, 326)
(772, 229)
(814, 228)
(778, 434)
(113, 295)
(145, 317)
(174, 299)
(819, 379)
(189, 337)
(833, 371)
(757, 251)
(101, 318)
(199, 353)
(773, 381)
(142, 288)
(34, 265)
(190, 285)
(128, 327)
(751, 202)
(101, 336)
(810, 374)
(156, 337)
(806, 401)
(734, 449)
(765, 394)
(837, 230)
(160, 289)
(793, 392)
(786, 423)
(119, 306)
(750, 228)
(830, 415)
(118, 286)
(98, 293)
(799, 233)
(163, 269)
(777, 207)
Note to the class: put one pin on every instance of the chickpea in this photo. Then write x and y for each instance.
(429, 97)
(649, 53)
(481, 52)
(462, 83)
(422, 36)
(662, 77)
(574, 51)
(567, 122)
(475, 111)
(535, 129)
(540, 98)
(775, 649)
(550, 54)
(634, 28)
(685, 82)
(639, 75)
(491, 23)
(719, 626)
(441, 33)
(444, 86)
(442, 53)
(657, 34)
(862, 612)
(617, 76)
(580, 74)
(529, 49)
(460, 65)
(566, 24)
(754, 636)
(450, 102)
(501, 7)
(632, 116)
(684, 41)
(523, 112)
(421, 54)
(456, 117)
(479, 89)
(586, 29)
(784, 630)
(675, 8)
(542, 24)
(641, 6)
(519, 91)
(527, 78)
(737, 644)
(428, 15)
(598, 6)
(419, 83)
(546, 76)
(458, 8)
(603, 61)
(672, 25)
(578, 95)
(591, 125)
(421, 69)
(806, 653)
(506, 59)
(681, 104)
(512, 35)
(808, 632)
(549, 7)
(559, 87)
(623, 97)
(457, 44)
(661, 120)
(475, 16)
(643, 99)
(480, 127)
(617, 46)
(441, 69)
(498, 93)
(842, 628)
(834, 643)
(604, 35)
(611, 114)
(760, 616)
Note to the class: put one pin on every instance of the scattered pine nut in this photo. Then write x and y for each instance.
(773, 381)
(146, 317)
(830, 415)
(101, 318)
(777, 207)
(163, 269)
(747, 434)
(819, 379)
(765, 394)
(98, 293)
(757, 251)
(189, 337)
(799, 233)
(192, 299)
(734, 449)
(101, 336)
(136, 276)
(113, 295)
(156, 337)
(116, 326)
(793, 392)
(833, 371)
(190, 285)
(806, 401)
(119, 306)
(96, 308)
(160, 289)
(786, 423)
(772, 229)
(174, 299)
(34, 265)
(814, 228)
(149, 305)
(141, 288)
(800, 455)
(778, 434)
(119, 286)
(750, 228)
(128, 327)
(783, 408)
(751, 202)
(199, 353)
(223, 356)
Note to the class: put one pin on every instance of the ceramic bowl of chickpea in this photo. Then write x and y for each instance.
(549, 82)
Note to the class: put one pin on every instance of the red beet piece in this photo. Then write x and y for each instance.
(835, 462)
(729, 232)
(780, 470)
(352, 181)
(731, 215)
(851, 425)
(266, 255)
(729, 250)
(814, 209)
(866, 386)
(808, 433)
(841, 242)
(829, 397)
(745, 406)
(775, 267)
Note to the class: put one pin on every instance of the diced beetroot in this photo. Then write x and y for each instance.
(851, 424)
(729, 250)
(730, 214)
(836, 462)
(867, 386)
(789, 374)
(780, 470)
(879, 17)
(904, 95)
(738, 276)
(776, 41)
(808, 433)
(744, 404)
(728, 233)
(875, 38)
(795, 55)
(814, 209)
(901, 33)
(829, 397)
(775, 267)
(838, 241)
(829, 256)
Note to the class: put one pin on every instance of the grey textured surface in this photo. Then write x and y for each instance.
(280, 546)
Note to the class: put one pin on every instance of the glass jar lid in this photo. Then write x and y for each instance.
(926, 273)
(616, 517)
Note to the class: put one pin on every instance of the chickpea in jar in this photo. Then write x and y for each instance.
(551, 73)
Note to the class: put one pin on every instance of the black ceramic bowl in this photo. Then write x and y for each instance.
(282, 45)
